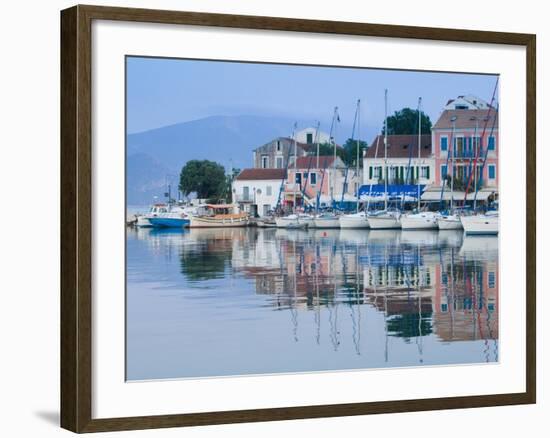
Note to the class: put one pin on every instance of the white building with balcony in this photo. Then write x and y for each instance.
(256, 191)
(403, 164)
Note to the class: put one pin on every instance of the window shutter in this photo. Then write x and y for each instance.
(370, 172)
(428, 172)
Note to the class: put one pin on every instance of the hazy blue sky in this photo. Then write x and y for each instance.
(167, 91)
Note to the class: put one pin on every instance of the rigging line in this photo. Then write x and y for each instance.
(482, 135)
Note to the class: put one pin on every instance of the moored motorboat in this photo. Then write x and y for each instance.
(480, 224)
(266, 222)
(384, 220)
(419, 221)
(354, 220)
(293, 221)
(172, 219)
(217, 216)
(143, 221)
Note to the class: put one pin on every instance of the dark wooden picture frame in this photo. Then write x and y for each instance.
(76, 217)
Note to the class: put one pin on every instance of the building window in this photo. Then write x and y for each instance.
(309, 138)
(444, 171)
(492, 280)
(443, 143)
(278, 145)
(265, 160)
(425, 172)
(491, 145)
(313, 178)
(279, 163)
(477, 145)
(492, 171)
(378, 172)
(268, 191)
(444, 307)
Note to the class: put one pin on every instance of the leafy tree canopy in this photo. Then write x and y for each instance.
(350, 149)
(204, 177)
(405, 122)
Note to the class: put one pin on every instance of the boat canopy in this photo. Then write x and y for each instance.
(376, 192)
(219, 206)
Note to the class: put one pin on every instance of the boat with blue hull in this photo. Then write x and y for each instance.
(169, 220)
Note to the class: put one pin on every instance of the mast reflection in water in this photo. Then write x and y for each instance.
(219, 302)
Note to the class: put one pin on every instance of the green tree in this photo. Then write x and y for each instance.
(350, 150)
(405, 122)
(228, 193)
(204, 177)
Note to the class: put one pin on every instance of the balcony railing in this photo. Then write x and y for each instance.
(244, 198)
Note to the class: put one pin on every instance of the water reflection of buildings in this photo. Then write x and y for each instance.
(422, 282)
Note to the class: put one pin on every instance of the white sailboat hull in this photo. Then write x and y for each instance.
(384, 222)
(292, 222)
(326, 223)
(449, 223)
(421, 221)
(354, 221)
(480, 224)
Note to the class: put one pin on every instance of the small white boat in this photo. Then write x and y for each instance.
(355, 220)
(266, 222)
(154, 211)
(217, 216)
(294, 221)
(420, 221)
(384, 220)
(480, 223)
(326, 220)
(449, 222)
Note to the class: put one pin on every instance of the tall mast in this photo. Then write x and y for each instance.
(295, 160)
(453, 140)
(475, 167)
(386, 149)
(317, 167)
(358, 148)
(334, 121)
(419, 148)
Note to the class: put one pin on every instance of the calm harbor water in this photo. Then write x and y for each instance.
(219, 302)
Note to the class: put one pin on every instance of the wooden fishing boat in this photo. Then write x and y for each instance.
(218, 216)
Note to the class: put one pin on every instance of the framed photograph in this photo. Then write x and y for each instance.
(269, 218)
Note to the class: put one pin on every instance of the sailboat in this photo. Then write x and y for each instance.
(294, 220)
(330, 220)
(421, 220)
(480, 224)
(451, 221)
(359, 218)
(487, 223)
(385, 219)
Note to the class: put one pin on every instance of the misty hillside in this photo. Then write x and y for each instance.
(228, 140)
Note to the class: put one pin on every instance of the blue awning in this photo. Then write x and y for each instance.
(376, 192)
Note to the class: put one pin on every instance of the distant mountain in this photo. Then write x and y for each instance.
(224, 139)
(228, 140)
(145, 179)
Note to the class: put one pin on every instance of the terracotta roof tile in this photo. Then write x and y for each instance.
(467, 119)
(325, 161)
(400, 146)
(261, 174)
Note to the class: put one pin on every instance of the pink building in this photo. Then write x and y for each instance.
(474, 133)
(326, 179)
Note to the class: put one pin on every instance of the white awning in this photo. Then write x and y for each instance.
(435, 195)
